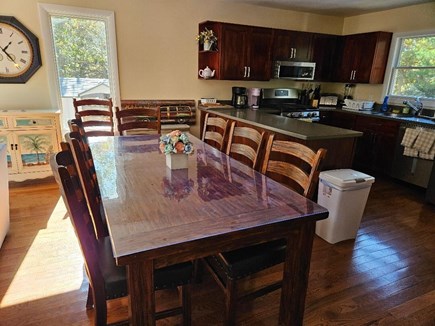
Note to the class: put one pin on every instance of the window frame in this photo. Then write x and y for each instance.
(392, 62)
(46, 11)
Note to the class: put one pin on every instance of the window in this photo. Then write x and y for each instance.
(412, 71)
(81, 55)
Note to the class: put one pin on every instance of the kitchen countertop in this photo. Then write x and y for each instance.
(283, 125)
(380, 115)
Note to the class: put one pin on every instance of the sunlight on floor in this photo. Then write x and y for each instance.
(37, 276)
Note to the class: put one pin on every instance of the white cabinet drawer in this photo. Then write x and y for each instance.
(37, 122)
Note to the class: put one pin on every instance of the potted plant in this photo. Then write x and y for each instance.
(207, 38)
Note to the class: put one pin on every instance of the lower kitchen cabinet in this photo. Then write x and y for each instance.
(30, 138)
(375, 149)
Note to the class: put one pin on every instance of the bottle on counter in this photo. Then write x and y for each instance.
(316, 97)
(384, 107)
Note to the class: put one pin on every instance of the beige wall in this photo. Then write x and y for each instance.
(408, 19)
(157, 50)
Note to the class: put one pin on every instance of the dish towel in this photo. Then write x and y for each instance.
(424, 144)
(408, 141)
(409, 137)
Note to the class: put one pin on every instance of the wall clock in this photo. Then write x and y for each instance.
(20, 56)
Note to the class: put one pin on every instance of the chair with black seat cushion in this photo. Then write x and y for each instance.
(244, 144)
(107, 280)
(214, 131)
(84, 162)
(96, 116)
(137, 120)
(284, 161)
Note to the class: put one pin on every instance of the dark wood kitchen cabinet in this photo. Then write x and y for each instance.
(242, 53)
(324, 54)
(338, 118)
(292, 45)
(375, 149)
(363, 57)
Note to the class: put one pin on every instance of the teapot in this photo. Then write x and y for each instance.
(206, 73)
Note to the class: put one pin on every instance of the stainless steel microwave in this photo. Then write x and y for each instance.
(294, 70)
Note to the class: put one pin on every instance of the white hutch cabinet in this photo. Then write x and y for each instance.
(30, 138)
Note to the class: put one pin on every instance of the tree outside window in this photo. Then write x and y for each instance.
(413, 74)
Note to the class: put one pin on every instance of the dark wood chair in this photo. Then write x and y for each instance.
(84, 162)
(214, 132)
(294, 165)
(138, 120)
(96, 116)
(292, 161)
(244, 144)
(107, 280)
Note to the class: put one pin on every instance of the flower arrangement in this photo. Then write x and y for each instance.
(176, 142)
(206, 36)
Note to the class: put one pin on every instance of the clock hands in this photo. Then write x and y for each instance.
(6, 47)
(8, 55)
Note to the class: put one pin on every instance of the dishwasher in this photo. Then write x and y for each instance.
(414, 170)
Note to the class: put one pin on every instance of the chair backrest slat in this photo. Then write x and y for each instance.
(214, 130)
(297, 163)
(246, 142)
(84, 162)
(138, 120)
(96, 116)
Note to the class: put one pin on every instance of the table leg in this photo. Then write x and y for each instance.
(141, 307)
(296, 272)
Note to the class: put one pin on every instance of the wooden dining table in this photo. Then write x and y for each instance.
(158, 217)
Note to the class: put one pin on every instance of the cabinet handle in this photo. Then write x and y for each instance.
(16, 146)
(294, 54)
(354, 74)
(246, 70)
(12, 147)
(249, 72)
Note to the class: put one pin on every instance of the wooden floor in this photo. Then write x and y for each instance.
(385, 277)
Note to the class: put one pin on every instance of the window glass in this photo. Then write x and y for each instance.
(413, 74)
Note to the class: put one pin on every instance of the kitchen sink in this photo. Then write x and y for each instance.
(397, 115)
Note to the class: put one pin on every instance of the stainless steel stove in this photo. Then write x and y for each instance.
(285, 102)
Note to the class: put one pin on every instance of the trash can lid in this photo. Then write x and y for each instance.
(346, 178)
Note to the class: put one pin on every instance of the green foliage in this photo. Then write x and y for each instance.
(81, 49)
(415, 71)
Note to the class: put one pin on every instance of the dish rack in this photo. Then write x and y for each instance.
(358, 105)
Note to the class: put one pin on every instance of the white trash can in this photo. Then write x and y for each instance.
(344, 193)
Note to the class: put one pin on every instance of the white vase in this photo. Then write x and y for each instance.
(207, 45)
(177, 161)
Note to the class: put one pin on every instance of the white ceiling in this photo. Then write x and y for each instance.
(342, 8)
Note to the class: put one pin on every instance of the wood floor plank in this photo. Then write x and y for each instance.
(386, 276)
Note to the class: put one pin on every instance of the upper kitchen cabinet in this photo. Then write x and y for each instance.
(242, 52)
(324, 54)
(292, 45)
(363, 57)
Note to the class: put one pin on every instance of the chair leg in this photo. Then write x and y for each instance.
(90, 299)
(100, 305)
(186, 301)
(230, 302)
(198, 270)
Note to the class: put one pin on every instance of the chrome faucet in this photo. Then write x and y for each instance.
(415, 105)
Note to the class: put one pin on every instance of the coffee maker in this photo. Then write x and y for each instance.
(239, 99)
(254, 97)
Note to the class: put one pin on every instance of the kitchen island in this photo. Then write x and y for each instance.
(340, 143)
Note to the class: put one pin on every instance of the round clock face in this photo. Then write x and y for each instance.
(16, 52)
(20, 57)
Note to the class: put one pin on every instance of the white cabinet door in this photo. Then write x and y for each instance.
(7, 138)
(33, 149)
